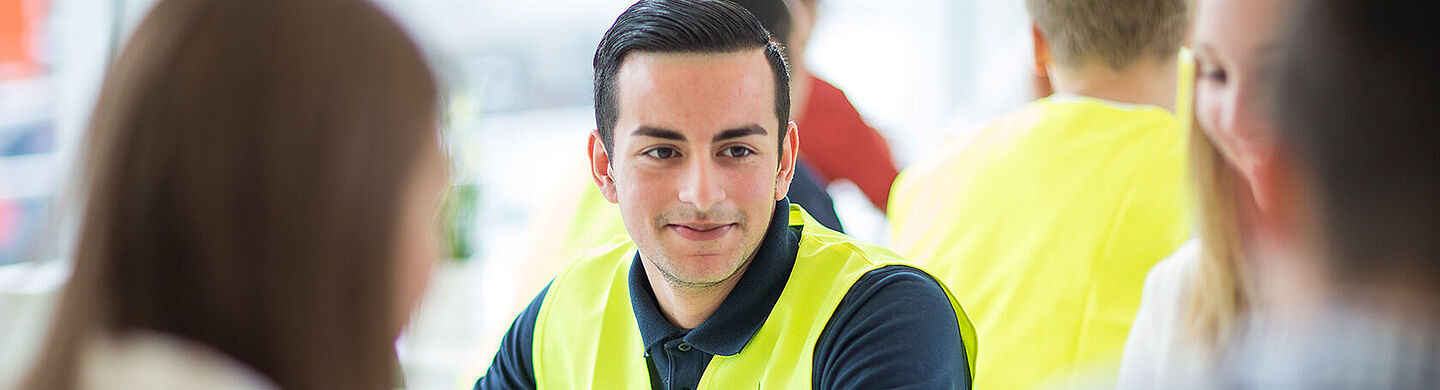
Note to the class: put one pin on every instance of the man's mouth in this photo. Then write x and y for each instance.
(701, 231)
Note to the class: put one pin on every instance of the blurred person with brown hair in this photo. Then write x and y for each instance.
(262, 177)
(1045, 221)
(1354, 280)
(1195, 300)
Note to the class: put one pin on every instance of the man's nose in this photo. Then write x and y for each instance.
(700, 186)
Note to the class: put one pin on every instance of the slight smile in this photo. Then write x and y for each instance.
(701, 231)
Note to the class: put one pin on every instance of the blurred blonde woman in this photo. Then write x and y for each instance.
(1194, 300)
(261, 180)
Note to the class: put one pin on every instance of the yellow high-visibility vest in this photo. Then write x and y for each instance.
(586, 335)
(1044, 225)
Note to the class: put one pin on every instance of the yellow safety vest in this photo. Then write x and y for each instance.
(1044, 225)
(586, 335)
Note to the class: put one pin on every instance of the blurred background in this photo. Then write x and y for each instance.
(518, 111)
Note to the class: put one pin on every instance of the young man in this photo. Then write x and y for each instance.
(1045, 222)
(579, 218)
(725, 285)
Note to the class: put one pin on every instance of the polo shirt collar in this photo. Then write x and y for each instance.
(742, 313)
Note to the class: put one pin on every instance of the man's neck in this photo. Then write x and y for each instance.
(1148, 81)
(687, 306)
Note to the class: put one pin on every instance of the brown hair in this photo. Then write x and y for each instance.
(1355, 97)
(1113, 32)
(245, 165)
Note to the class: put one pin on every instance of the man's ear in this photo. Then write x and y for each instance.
(1041, 82)
(600, 168)
(1042, 50)
(789, 152)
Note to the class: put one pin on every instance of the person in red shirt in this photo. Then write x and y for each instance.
(835, 142)
(840, 146)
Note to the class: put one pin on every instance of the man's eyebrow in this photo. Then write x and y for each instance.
(748, 130)
(656, 132)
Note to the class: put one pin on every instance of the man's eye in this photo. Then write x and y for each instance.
(737, 152)
(661, 153)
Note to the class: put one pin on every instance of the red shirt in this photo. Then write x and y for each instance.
(835, 140)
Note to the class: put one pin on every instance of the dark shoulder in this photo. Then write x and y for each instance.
(895, 328)
(897, 280)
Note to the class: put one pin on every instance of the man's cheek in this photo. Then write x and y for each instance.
(760, 185)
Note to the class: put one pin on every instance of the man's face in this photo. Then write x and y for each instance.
(696, 165)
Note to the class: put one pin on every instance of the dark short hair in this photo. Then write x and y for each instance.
(773, 14)
(682, 26)
(1114, 32)
(1356, 101)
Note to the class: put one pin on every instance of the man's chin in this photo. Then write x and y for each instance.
(701, 278)
(694, 284)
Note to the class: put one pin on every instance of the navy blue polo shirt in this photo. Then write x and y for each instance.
(893, 329)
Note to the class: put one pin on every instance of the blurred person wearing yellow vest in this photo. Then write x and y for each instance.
(722, 284)
(1045, 222)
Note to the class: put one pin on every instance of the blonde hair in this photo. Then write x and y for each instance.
(1217, 294)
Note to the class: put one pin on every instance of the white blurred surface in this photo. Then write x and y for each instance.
(28, 292)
